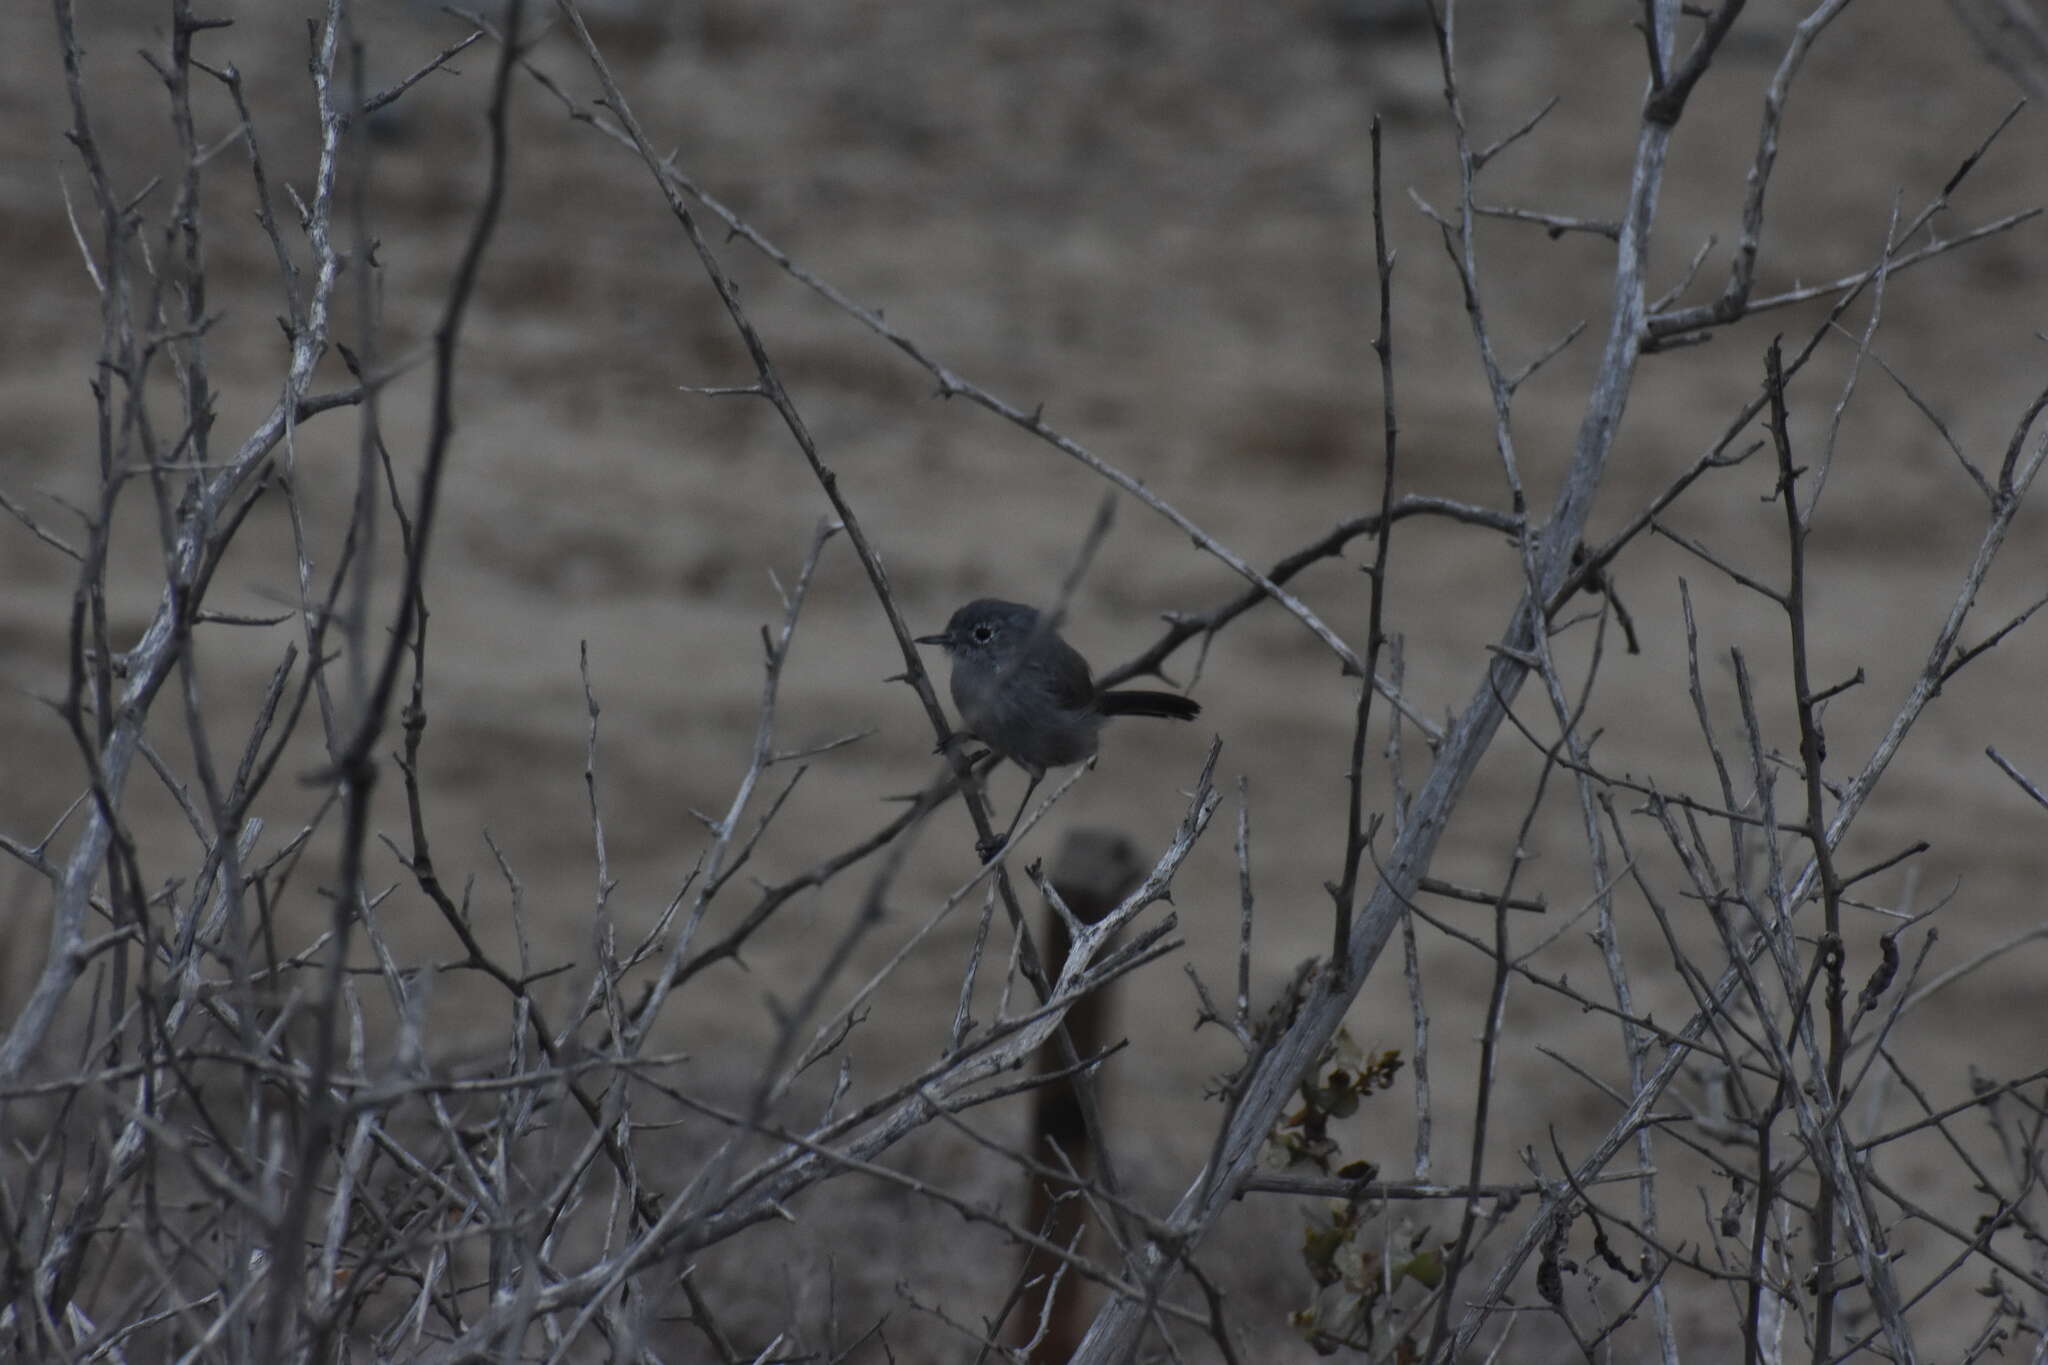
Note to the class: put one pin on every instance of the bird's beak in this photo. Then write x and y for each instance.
(939, 639)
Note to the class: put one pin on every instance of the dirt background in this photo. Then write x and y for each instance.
(1154, 218)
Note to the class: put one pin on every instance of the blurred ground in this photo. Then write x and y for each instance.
(1154, 218)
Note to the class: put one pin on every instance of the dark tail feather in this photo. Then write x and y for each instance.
(1137, 702)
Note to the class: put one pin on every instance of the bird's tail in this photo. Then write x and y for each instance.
(1138, 702)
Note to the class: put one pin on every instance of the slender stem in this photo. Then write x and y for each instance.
(1812, 751)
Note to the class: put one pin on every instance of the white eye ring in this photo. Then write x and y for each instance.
(982, 635)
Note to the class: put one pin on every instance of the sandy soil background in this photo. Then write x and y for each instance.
(1154, 218)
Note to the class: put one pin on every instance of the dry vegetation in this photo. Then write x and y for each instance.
(484, 884)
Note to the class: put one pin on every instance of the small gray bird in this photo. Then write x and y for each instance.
(1028, 694)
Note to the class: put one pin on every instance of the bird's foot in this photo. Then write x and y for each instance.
(956, 739)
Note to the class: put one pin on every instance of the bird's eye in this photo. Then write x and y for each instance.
(983, 634)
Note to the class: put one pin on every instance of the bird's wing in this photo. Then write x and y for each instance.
(1072, 686)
